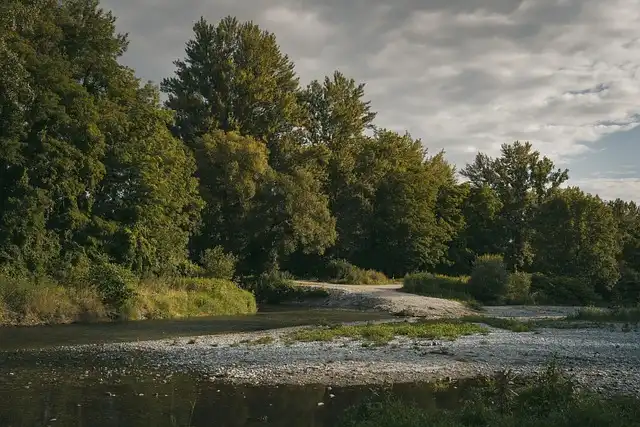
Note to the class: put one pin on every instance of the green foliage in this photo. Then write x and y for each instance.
(549, 398)
(342, 271)
(188, 297)
(512, 325)
(218, 264)
(277, 287)
(382, 333)
(521, 180)
(100, 185)
(115, 284)
(437, 286)
(620, 314)
(576, 237)
(489, 279)
(563, 290)
(519, 288)
(40, 300)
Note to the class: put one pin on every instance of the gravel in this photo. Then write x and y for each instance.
(388, 299)
(605, 359)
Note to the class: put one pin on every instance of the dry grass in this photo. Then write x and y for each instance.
(39, 301)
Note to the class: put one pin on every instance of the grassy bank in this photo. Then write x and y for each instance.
(595, 314)
(40, 301)
(549, 399)
(382, 333)
(440, 286)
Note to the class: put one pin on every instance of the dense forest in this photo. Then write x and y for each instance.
(244, 171)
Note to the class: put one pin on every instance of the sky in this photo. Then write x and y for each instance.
(463, 76)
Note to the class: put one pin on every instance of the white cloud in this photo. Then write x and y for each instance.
(474, 79)
(463, 76)
(611, 188)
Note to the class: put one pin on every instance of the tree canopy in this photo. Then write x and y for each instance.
(242, 161)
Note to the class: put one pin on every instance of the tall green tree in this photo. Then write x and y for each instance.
(234, 78)
(236, 100)
(477, 234)
(576, 236)
(627, 216)
(337, 117)
(522, 179)
(254, 211)
(73, 121)
(398, 193)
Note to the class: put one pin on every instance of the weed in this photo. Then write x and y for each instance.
(383, 333)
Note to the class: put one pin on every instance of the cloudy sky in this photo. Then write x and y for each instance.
(461, 75)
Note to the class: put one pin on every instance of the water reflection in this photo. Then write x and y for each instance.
(102, 398)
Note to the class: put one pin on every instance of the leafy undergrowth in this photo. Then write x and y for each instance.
(513, 325)
(36, 301)
(549, 399)
(189, 297)
(440, 286)
(382, 333)
(342, 272)
(595, 314)
(278, 287)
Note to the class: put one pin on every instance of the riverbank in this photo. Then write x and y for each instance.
(604, 359)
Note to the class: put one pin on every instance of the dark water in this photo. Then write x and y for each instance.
(73, 396)
(267, 318)
(40, 386)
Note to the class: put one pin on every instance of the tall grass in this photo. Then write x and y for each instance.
(382, 333)
(42, 300)
(440, 286)
(549, 399)
(343, 272)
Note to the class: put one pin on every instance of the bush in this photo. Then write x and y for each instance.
(489, 279)
(218, 264)
(115, 284)
(627, 289)
(188, 297)
(437, 286)
(39, 300)
(342, 271)
(277, 287)
(519, 289)
(563, 290)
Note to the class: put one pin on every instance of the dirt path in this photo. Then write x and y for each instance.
(390, 299)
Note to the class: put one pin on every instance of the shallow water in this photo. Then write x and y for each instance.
(32, 337)
(77, 395)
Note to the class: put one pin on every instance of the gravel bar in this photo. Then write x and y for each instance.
(605, 359)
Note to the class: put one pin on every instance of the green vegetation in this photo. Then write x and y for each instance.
(31, 302)
(441, 286)
(627, 315)
(513, 325)
(341, 271)
(244, 172)
(548, 399)
(382, 333)
(276, 287)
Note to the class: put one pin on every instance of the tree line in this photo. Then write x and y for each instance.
(242, 161)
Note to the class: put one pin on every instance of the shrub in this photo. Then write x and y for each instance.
(115, 283)
(342, 271)
(627, 289)
(218, 264)
(277, 287)
(519, 289)
(39, 300)
(188, 297)
(489, 279)
(437, 286)
(563, 290)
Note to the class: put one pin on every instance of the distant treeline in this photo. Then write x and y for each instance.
(244, 165)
